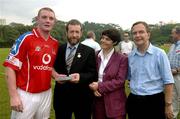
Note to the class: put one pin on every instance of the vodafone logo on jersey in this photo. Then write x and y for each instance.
(46, 59)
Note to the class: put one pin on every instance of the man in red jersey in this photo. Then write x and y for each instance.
(29, 68)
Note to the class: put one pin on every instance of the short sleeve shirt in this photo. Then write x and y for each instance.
(32, 58)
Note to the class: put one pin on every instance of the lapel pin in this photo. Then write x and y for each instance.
(79, 55)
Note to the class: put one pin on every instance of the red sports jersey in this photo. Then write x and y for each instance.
(32, 58)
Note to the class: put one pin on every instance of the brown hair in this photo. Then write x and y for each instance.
(73, 22)
(143, 23)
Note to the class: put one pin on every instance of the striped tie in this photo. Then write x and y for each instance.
(70, 57)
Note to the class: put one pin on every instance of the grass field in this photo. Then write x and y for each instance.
(4, 98)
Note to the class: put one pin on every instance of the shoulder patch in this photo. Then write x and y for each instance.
(18, 42)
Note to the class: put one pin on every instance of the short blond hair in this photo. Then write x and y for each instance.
(45, 8)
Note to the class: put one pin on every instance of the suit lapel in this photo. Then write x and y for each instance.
(111, 60)
(64, 55)
(78, 55)
(64, 51)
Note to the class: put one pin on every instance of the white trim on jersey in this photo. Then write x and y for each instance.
(35, 33)
(27, 85)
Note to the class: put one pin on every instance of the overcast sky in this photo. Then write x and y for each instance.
(121, 12)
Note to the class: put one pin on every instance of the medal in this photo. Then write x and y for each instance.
(79, 55)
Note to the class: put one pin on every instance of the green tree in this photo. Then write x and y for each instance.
(10, 34)
(59, 31)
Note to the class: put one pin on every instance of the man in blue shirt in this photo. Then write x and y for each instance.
(151, 81)
(174, 58)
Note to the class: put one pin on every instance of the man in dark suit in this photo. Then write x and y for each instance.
(73, 95)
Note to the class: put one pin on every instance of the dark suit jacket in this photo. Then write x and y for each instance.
(113, 85)
(84, 63)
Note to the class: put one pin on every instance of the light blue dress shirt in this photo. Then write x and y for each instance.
(149, 72)
(68, 50)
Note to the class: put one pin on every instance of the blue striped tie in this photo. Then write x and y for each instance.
(70, 57)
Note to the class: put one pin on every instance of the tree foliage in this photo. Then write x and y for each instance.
(160, 34)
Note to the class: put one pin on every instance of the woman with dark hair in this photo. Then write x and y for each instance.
(109, 91)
